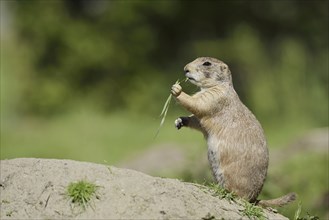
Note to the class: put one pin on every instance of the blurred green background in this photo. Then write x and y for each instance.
(86, 80)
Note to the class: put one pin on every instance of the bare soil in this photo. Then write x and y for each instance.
(36, 189)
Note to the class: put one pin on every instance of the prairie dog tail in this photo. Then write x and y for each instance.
(281, 201)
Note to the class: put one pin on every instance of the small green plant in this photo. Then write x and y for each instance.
(252, 211)
(9, 214)
(81, 192)
(221, 192)
(299, 217)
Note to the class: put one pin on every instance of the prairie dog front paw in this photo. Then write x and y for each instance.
(179, 123)
(176, 90)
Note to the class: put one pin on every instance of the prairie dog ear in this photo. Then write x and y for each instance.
(223, 73)
(224, 68)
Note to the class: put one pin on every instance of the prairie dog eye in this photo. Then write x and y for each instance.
(206, 63)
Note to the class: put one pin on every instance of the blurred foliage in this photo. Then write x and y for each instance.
(126, 54)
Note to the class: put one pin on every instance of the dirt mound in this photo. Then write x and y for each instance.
(36, 189)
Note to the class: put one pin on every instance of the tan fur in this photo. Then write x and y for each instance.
(237, 149)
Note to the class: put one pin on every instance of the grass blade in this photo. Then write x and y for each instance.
(166, 108)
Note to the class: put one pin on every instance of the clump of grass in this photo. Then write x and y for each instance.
(165, 108)
(252, 211)
(219, 191)
(81, 192)
(299, 217)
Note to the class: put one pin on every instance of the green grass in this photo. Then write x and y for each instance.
(90, 136)
(220, 192)
(81, 192)
(298, 214)
(252, 211)
(249, 209)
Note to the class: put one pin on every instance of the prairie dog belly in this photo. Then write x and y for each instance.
(213, 157)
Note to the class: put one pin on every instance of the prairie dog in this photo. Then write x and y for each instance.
(237, 149)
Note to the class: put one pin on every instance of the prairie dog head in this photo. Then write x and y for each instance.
(206, 72)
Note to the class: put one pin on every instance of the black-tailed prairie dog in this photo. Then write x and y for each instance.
(237, 149)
